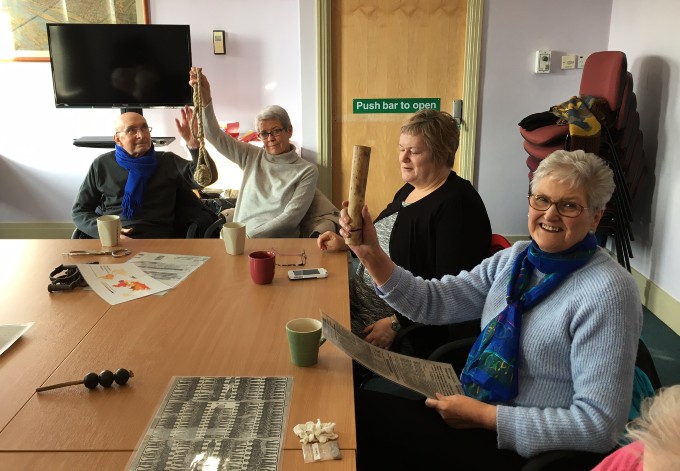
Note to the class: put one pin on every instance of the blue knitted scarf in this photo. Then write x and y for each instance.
(490, 373)
(140, 169)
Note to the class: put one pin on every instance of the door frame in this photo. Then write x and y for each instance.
(468, 130)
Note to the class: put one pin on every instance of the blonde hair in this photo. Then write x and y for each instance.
(658, 427)
(439, 131)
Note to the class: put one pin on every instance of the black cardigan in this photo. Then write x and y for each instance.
(441, 234)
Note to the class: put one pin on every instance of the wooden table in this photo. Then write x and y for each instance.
(61, 319)
(217, 322)
(105, 460)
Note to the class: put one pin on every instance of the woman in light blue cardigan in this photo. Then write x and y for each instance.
(564, 383)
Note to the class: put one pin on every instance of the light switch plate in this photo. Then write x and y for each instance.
(219, 46)
(542, 65)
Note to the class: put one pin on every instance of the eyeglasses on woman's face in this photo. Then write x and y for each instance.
(568, 209)
(264, 135)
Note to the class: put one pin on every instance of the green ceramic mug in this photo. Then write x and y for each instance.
(304, 340)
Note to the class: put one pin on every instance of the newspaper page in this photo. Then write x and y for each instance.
(423, 376)
(170, 269)
(204, 422)
(119, 282)
(10, 333)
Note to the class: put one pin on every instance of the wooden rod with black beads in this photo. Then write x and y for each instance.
(58, 385)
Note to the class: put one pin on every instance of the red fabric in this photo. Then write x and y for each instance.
(541, 152)
(628, 458)
(546, 134)
(533, 163)
(232, 129)
(603, 75)
(498, 243)
(250, 136)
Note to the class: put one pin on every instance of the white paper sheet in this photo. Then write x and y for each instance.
(423, 376)
(119, 282)
(10, 333)
(170, 269)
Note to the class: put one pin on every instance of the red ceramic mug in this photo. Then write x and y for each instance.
(262, 265)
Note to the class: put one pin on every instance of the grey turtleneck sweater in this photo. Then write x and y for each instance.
(276, 190)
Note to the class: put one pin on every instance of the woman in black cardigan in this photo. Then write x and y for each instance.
(436, 225)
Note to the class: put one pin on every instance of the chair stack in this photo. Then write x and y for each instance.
(604, 76)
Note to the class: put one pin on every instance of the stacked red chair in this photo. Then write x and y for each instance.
(607, 87)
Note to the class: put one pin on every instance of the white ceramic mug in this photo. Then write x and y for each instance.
(109, 230)
(234, 235)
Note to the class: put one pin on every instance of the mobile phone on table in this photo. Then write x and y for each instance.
(307, 273)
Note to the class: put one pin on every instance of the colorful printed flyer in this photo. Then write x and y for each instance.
(119, 282)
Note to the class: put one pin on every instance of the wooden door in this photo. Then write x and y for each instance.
(389, 49)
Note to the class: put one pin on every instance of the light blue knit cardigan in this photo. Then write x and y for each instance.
(577, 353)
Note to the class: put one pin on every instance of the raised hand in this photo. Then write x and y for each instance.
(205, 86)
(370, 237)
(371, 255)
(183, 125)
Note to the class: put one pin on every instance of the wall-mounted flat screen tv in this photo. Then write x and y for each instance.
(120, 66)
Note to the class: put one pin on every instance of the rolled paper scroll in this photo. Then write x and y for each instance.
(357, 192)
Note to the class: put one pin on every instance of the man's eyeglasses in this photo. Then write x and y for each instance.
(264, 135)
(568, 209)
(294, 263)
(134, 131)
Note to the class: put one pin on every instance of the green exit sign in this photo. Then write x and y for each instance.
(393, 105)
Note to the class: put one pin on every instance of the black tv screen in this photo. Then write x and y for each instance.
(120, 66)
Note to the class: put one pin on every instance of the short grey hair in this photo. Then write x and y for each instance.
(273, 112)
(579, 170)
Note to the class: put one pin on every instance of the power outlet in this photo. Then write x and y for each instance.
(542, 65)
(580, 62)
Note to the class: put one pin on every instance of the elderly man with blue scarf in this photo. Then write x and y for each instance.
(137, 182)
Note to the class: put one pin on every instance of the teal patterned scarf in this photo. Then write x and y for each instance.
(490, 373)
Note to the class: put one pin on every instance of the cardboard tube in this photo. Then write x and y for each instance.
(357, 192)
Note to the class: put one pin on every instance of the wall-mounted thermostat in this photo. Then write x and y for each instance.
(542, 65)
(580, 62)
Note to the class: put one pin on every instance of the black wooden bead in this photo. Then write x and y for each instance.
(106, 378)
(91, 380)
(121, 376)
